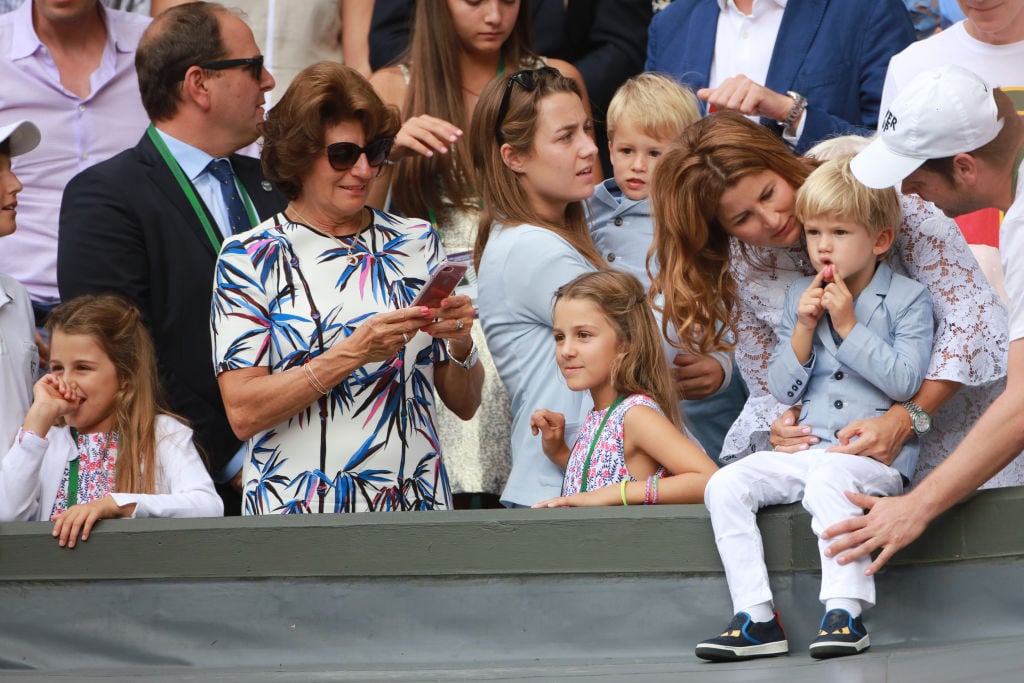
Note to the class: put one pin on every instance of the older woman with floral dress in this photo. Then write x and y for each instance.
(324, 365)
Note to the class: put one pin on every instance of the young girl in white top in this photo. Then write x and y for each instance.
(96, 443)
(630, 449)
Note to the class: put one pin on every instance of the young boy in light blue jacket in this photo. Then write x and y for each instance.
(644, 117)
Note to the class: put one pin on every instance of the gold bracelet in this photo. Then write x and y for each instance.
(313, 380)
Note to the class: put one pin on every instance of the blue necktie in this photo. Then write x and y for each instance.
(225, 175)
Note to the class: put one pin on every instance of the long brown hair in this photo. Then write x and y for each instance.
(505, 200)
(641, 367)
(116, 326)
(435, 78)
(690, 244)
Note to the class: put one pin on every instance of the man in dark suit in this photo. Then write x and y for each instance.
(148, 223)
(822, 67)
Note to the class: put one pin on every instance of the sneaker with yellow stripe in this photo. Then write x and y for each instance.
(840, 635)
(744, 638)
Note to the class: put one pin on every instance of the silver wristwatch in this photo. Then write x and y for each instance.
(471, 359)
(799, 105)
(920, 420)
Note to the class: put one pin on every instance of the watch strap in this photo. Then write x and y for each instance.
(798, 108)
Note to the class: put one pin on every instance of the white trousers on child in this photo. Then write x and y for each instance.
(737, 491)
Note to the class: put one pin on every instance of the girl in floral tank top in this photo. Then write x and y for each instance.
(630, 449)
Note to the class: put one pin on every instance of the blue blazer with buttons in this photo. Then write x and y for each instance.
(882, 361)
(833, 52)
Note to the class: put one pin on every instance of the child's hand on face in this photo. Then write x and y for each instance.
(53, 397)
(837, 300)
(551, 427)
(809, 308)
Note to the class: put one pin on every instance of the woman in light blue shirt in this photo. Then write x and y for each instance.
(536, 163)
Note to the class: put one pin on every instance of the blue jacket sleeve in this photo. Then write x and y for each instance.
(787, 377)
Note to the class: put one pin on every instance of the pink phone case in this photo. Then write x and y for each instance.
(441, 284)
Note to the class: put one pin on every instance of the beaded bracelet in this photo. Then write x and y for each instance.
(314, 382)
(654, 488)
(622, 492)
(647, 491)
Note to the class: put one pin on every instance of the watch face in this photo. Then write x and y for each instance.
(922, 422)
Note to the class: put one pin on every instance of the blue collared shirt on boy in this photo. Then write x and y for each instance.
(883, 360)
(622, 229)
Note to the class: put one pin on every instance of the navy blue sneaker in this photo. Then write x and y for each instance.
(840, 635)
(745, 639)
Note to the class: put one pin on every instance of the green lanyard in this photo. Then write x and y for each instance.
(73, 472)
(190, 193)
(593, 443)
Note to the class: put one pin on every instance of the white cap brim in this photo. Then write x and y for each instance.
(23, 137)
(879, 167)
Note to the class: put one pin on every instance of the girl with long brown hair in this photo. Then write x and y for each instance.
(607, 343)
(97, 442)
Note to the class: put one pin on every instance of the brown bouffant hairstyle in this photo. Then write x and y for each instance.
(178, 38)
(116, 326)
(690, 244)
(505, 200)
(421, 183)
(322, 95)
(641, 367)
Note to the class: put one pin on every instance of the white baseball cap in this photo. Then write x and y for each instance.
(944, 111)
(23, 136)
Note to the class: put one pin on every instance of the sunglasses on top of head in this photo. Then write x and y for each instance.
(344, 155)
(253, 64)
(528, 80)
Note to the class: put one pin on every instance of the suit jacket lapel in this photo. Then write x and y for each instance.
(265, 199)
(163, 179)
(872, 297)
(699, 43)
(800, 23)
(824, 333)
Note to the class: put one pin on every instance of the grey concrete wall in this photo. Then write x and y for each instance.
(455, 589)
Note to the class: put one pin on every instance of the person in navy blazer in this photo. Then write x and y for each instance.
(853, 339)
(832, 52)
(127, 225)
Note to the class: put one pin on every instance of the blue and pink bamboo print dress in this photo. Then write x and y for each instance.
(285, 292)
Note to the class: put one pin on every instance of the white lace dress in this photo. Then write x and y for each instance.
(970, 332)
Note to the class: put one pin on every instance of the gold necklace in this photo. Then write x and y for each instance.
(351, 258)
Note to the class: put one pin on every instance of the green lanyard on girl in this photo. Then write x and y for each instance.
(593, 442)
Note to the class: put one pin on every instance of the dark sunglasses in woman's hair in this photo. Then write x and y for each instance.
(528, 80)
(344, 155)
